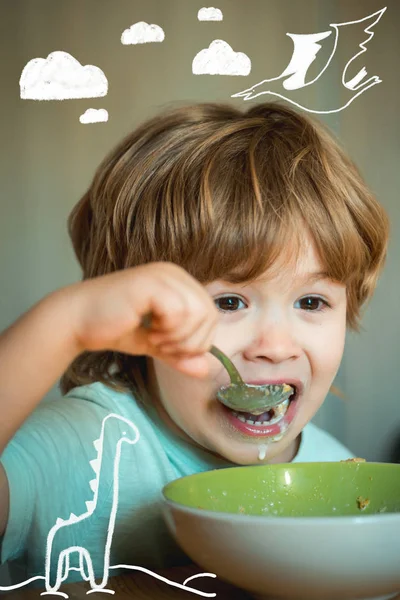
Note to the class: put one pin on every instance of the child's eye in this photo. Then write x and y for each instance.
(227, 303)
(311, 301)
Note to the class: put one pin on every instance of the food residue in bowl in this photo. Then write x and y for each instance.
(362, 503)
(354, 460)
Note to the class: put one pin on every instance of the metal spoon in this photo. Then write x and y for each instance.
(239, 395)
(247, 396)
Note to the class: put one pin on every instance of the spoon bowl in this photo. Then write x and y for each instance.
(255, 399)
(246, 396)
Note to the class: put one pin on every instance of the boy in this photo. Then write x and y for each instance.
(251, 231)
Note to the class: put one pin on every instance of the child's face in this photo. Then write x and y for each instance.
(270, 330)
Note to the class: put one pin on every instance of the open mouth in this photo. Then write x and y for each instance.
(270, 416)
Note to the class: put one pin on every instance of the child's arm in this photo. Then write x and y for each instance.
(4, 502)
(98, 314)
(34, 352)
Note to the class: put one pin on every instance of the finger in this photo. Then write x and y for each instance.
(172, 312)
(198, 342)
(178, 303)
(199, 315)
(181, 333)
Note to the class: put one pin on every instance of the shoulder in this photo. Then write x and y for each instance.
(63, 434)
(100, 398)
(114, 410)
(64, 447)
(317, 445)
(77, 417)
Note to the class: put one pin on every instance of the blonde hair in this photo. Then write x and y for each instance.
(236, 185)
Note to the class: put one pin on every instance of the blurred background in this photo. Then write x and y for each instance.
(49, 157)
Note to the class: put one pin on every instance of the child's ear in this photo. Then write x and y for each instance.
(337, 392)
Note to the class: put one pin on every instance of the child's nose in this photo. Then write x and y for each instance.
(273, 341)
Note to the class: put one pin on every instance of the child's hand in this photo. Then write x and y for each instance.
(109, 310)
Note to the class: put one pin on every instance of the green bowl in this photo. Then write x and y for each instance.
(299, 530)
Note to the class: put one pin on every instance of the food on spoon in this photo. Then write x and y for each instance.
(255, 399)
(354, 460)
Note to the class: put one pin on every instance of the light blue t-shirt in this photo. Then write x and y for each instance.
(61, 458)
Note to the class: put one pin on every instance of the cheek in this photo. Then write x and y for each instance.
(176, 388)
(328, 352)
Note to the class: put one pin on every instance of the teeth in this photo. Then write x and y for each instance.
(279, 413)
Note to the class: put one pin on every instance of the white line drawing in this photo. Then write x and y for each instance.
(130, 436)
(86, 567)
(61, 77)
(220, 59)
(304, 52)
(94, 115)
(142, 33)
(209, 14)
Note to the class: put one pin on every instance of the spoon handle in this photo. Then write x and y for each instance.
(226, 362)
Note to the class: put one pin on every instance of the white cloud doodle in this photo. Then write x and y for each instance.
(209, 14)
(61, 77)
(220, 59)
(142, 33)
(94, 115)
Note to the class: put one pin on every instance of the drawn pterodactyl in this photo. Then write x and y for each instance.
(306, 48)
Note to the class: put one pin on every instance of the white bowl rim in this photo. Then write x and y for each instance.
(331, 521)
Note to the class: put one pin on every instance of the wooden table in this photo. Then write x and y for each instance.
(141, 586)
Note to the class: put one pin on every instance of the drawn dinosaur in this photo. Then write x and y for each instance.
(131, 436)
